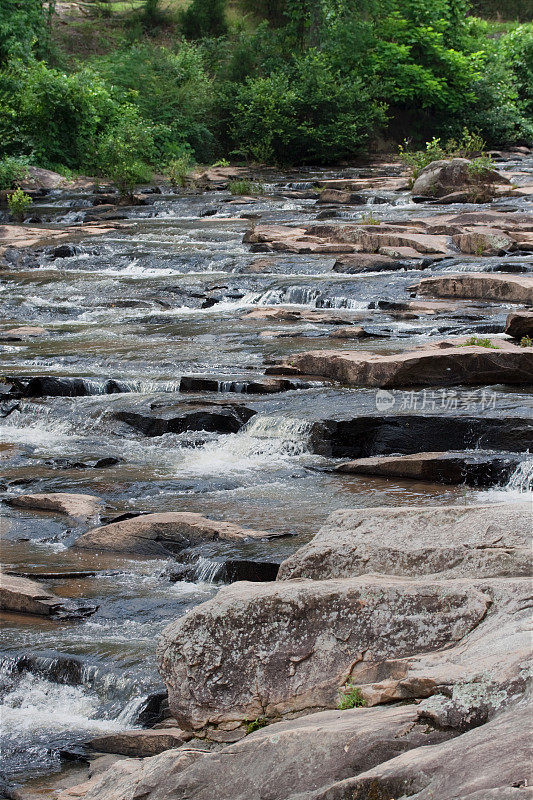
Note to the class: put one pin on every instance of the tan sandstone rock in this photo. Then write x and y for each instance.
(140, 743)
(29, 597)
(451, 175)
(161, 534)
(481, 286)
(444, 541)
(75, 505)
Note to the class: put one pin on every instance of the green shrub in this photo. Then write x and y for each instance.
(178, 170)
(245, 187)
(526, 341)
(12, 170)
(125, 152)
(350, 697)
(204, 18)
(18, 202)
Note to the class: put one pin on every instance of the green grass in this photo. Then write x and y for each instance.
(255, 725)
(478, 341)
(350, 697)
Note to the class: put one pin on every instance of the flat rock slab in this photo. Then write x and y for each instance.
(446, 365)
(444, 541)
(475, 468)
(519, 324)
(295, 643)
(303, 315)
(29, 597)
(74, 505)
(164, 533)
(501, 288)
(140, 743)
(21, 333)
(284, 760)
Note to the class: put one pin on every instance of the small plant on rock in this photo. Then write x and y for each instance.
(19, 202)
(350, 697)
(526, 341)
(370, 219)
(478, 341)
(255, 725)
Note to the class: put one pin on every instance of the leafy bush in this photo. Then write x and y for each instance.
(24, 28)
(18, 203)
(125, 152)
(12, 170)
(526, 341)
(178, 170)
(350, 697)
(470, 144)
(478, 341)
(204, 18)
(245, 187)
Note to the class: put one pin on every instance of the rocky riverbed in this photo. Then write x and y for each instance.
(321, 397)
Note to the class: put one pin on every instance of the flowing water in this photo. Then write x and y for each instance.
(129, 312)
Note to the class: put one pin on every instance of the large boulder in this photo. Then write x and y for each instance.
(481, 286)
(446, 542)
(489, 763)
(519, 324)
(474, 468)
(296, 643)
(163, 534)
(81, 506)
(452, 175)
(211, 417)
(442, 364)
(29, 597)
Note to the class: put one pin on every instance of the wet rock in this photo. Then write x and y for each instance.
(259, 266)
(154, 711)
(317, 316)
(519, 324)
(357, 332)
(28, 597)
(480, 286)
(62, 251)
(215, 418)
(296, 643)
(21, 333)
(140, 743)
(452, 365)
(47, 386)
(364, 436)
(365, 262)
(75, 505)
(260, 385)
(341, 197)
(296, 757)
(475, 468)
(225, 571)
(441, 178)
(164, 533)
(445, 542)
(58, 669)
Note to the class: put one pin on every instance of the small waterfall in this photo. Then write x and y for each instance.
(206, 570)
(522, 478)
(302, 296)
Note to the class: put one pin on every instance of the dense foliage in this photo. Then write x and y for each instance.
(300, 81)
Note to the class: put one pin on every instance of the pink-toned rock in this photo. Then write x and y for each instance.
(23, 332)
(163, 533)
(75, 505)
(140, 743)
(420, 242)
(442, 364)
(484, 242)
(24, 596)
(481, 286)
(443, 177)
(519, 324)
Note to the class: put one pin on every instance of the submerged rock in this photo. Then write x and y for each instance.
(259, 385)
(475, 468)
(445, 542)
(164, 533)
(28, 597)
(75, 505)
(217, 418)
